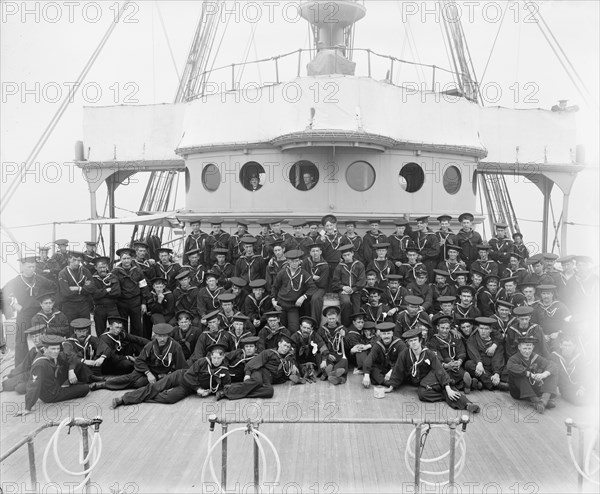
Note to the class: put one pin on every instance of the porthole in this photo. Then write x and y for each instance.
(360, 175)
(452, 180)
(252, 176)
(411, 177)
(304, 175)
(211, 177)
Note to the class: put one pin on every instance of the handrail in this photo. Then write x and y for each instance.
(204, 76)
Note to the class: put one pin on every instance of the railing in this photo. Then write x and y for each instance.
(374, 65)
(421, 430)
(84, 424)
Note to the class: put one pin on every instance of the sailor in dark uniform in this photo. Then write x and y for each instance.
(508, 291)
(514, 268)
(195, 267)
(421, 288)
(45, 266)
(348, 280)
(21, 292)
(235, 245)
(332, 242)
(215, 335)
(271, 366)
(186, 297)
(382, 358)
(501, 246)
(399, 241)
(445, 236)
(217, 238)
(486, 358)
(393, 294)
(269, 334)
(165, 268)
(519, 247)
(292, 290)
(161, 304)
(568, 289)
(239, 291)
(552, 315)
(452, 264)
(428, 244)
(420, 367)
(85, 353)
(159, 357)
(297, 241)
(307, 344)
(60, 258)
(574, 370)
(410, 317)
(333, 363)
(208, 297)
(277, 234)
(194, 241)
(484, 264)
(487, 297)
(532, 376)
(206, 376)
(257, 304)
(240, 329)
(16, 379)
(375, 310)
(48, 373)
(355, 239)
(359, 340)
(222, 268)
(185, 334)
(54, 320)
(468, 239)
(75, 288)
(371, 238)
(106, 291)
(134, 290)
(249, 266)
(521, 328)
(408, 269)
(122, 347)
(441, 288)
(89, 256)
(227, 312)
(237, 359)
(466, 308)
(319, 270)
(381, 264)
(142, 259)
(451, 351)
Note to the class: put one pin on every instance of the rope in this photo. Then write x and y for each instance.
(164, 29)
(95, 450)
(409, 455)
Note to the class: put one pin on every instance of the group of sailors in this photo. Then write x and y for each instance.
(446, 312)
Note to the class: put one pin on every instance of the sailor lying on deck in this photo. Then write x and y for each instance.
(420, 367)
(206, 376)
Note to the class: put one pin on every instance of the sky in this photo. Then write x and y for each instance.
(45, 45)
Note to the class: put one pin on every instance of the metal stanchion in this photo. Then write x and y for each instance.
(419, 429)
(224, 457)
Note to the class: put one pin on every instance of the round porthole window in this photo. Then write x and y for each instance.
(304, 175)
(452, 180)
(211, 177)
(252, 176)
(360, 175)
(411, 177)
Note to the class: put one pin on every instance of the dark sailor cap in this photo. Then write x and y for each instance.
(260, 283)
(51, 339)
(523, 311)
(310, 320)
(413, 300)
(239, 282)
(226, 297)
(162, 328)
(126, 250)
(182, 274)
(412, 333)
(38, 328)
(466, 216)
(212, 315)
(81, 323)
(250, 340)
(384, 327)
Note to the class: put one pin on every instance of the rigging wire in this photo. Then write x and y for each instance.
(69, 97)
(539, 13)
(164, 30)
(493, 46)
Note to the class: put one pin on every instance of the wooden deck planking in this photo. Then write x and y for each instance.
(516, 446)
